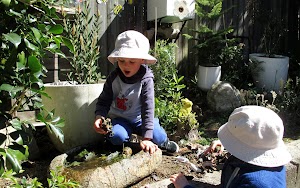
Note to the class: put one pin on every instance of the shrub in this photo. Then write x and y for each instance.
(168, 86)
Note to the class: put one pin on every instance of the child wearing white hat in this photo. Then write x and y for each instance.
(128, 96)
(253, 136)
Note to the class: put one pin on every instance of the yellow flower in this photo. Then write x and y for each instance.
(186, 107)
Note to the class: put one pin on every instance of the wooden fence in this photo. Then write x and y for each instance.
(134, 16)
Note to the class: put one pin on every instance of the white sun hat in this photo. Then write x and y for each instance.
(132, 44)
(254, 134)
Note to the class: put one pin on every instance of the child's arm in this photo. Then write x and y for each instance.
(147, 111)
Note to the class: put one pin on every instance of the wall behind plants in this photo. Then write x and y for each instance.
(117, 16)
(121, 15)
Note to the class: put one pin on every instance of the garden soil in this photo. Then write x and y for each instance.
(38, 167)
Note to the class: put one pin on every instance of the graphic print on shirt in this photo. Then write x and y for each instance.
(121, 103)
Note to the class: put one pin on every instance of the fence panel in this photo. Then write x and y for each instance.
(133, 15)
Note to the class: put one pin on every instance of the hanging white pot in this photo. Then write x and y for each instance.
(269, 73)
(207, 76)
(76, 105)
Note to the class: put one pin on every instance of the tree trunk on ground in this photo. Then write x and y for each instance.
(117, 175)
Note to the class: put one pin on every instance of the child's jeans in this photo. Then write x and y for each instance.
(122, 130)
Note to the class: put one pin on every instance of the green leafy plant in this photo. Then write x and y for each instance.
(28, 31)
(210, 43)
(235, 67)
(59, 180)
(165, 69)
(168, 89)
(83, 30)
(56, 180)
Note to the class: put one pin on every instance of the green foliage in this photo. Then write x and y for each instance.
(165, 68)
(83, 30)
(56, 180)
(235, 67)
(59, 180)
(168, 88)
(210, 43)
(27, 32)
(53, 123)
(167, 112)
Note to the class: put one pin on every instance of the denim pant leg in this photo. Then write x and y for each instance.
(121, 130)
(159, 133)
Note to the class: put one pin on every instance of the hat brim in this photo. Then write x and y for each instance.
(131, 53)
(261, 157)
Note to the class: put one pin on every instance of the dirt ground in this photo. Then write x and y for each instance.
(170, 165)
(38, 167)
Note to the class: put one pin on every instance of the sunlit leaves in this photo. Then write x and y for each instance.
(36, 33)
(15, 156)
(34, 64)
(69, 44)
(56, 29)
(54, 124)
(29, 30)
(21, 64)
(13, 38)
(30, 45)
(12, 90)
(6, 2)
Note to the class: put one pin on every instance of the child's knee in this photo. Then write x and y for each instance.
(118, 139)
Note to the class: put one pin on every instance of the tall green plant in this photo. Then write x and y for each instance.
(210, 43)
(28, 30)
(165, 70)
(168, 88)
(83, 30)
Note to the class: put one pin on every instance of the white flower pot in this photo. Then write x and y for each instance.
(207, 76)
(76, 105)
(271, 73)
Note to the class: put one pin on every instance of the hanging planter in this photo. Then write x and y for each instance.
(269, 73)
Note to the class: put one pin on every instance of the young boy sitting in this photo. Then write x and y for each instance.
(128, 96)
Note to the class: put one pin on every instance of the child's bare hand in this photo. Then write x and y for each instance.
(214, 144)
(148, 146)
(98, 126)
(179, 180)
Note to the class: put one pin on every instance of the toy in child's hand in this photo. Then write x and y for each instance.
(107, 126)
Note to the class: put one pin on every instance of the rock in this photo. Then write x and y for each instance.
(223, 97)
(117, 175)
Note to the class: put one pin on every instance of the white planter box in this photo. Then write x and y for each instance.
(207, 76)
(76, 105)
(271, 73)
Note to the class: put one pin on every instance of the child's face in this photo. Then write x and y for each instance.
(129, 66)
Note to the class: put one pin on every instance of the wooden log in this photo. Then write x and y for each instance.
(117, 175)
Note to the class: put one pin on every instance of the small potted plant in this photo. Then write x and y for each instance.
(210, 43)
(270, 68)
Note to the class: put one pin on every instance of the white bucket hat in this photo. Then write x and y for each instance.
(132, 44)
(254, 134)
